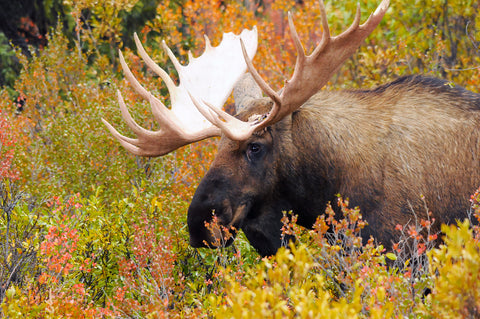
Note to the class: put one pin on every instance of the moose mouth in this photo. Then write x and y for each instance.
(218, 232)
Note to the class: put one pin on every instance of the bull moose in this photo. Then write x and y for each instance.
(390, 149)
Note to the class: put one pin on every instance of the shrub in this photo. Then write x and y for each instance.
(455, 269)
(8, 142)
(328, 272)
(288, 285)
(19, 232)
(150, 285)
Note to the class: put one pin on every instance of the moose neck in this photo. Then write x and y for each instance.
(332, 158)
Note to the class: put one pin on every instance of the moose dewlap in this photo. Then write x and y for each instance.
(388, 149)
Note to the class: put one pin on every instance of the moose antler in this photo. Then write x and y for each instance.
(208, 78)
(310, 75)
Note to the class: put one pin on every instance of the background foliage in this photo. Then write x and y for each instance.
(88, 230)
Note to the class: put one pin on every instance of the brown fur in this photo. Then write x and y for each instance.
(382, 148)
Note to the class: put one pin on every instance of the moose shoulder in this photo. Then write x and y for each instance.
(389, 150)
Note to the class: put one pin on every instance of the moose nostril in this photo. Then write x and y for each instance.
(227, 213)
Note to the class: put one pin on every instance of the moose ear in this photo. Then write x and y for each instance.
(245, 91)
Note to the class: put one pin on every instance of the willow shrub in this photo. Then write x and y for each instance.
(455, 268)
(331, 274)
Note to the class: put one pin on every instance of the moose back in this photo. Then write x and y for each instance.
(390, 150)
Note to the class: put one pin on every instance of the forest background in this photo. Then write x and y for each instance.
(88, 230)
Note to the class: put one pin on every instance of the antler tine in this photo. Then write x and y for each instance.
(172, 57)
(160, 111)
(310, 75)
(204, 111)
(296, 39)
(356, 20)
(137, 129)
(260, 81)
(152, 65)
(131, 78)
(128, 143)
(232, 128)
(264, 87)
(326, 29)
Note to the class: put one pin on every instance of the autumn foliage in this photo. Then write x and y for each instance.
(88, 230)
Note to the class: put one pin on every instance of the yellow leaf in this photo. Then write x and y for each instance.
(391, 256)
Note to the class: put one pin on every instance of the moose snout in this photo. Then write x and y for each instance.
(209, 217)
(209, 231)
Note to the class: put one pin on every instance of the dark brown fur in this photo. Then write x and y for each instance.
(381, 148)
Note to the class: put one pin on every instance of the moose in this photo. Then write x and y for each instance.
(391, 150)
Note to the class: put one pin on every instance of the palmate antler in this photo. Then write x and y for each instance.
(206, 82)
(208, 78)
(310, 75)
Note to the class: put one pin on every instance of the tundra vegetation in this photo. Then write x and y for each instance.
(88, 230)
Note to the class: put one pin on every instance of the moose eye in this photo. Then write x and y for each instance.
(254, 151)
(254, 148)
